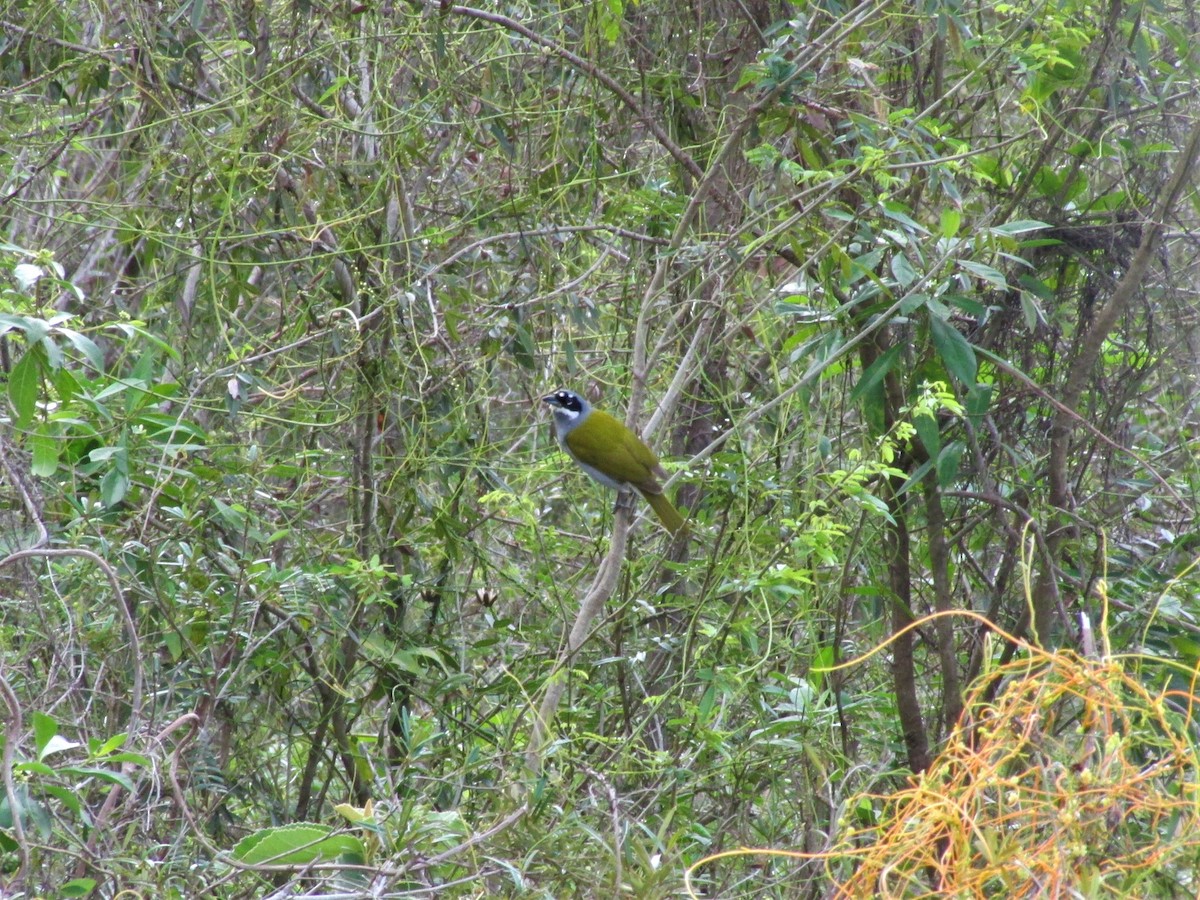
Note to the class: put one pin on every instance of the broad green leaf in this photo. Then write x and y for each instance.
(979, 398)
(951, 220)
(898, 212)
(902, 270)
(138, 759)
(298, 844)
(969, 305)
(96, 748)
(66, 384)
(57, 744)
(9, 322)
(43, 449)
(77, 887)
(23, 385)
(86, 346)
(947, 463)
(113, 487)
(1113, 201)
(954, 350)
(35, 329)
(44, 729)
(119, 386)
(31, 767)
(67, 796)
(988, 273)
(27, 275)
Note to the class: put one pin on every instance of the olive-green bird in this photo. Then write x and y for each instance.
(611, 453)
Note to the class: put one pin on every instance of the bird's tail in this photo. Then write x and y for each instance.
(666, 511)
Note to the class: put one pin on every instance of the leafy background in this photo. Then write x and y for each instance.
(904, 294)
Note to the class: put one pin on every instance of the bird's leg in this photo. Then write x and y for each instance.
(624, 501)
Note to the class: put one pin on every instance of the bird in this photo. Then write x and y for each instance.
(611, 453)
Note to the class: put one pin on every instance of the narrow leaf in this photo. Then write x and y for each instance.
(86, 346)
(23, 387)
(1019, 226)
(955, 351)
(929, 434)
(947, 463)
(875, 373)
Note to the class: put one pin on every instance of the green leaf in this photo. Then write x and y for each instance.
(1031, 311)
(875, 373)
(96, 748)
(67, 386)
(955, 350)
(107, 775)
(67, 796)
(113, 487)
(35, 768)
(988, 273)
(1018, 226)
(129, 329)
(35, 330)
(77, 887)
(138, 759)
(23, 384)
(979, 398)
(44, 728)
(903, 271)
(43, 448)
(898, 212)
(86, 346)
(57, 744)
(947, 463)
(914, 479)
(929, 433)
(9, 322)
(951, 221)
(298, 844)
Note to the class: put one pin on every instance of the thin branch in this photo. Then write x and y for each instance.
(655, 127)
(135, 649)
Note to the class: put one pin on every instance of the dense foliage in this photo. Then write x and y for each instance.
(298, 594)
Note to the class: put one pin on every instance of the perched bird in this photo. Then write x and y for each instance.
(610, 453)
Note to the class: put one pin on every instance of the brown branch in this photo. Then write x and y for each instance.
(135, 698)
(1081, 369)
(593, 603)
(681, 156)
(939, 565)
(12, 736)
